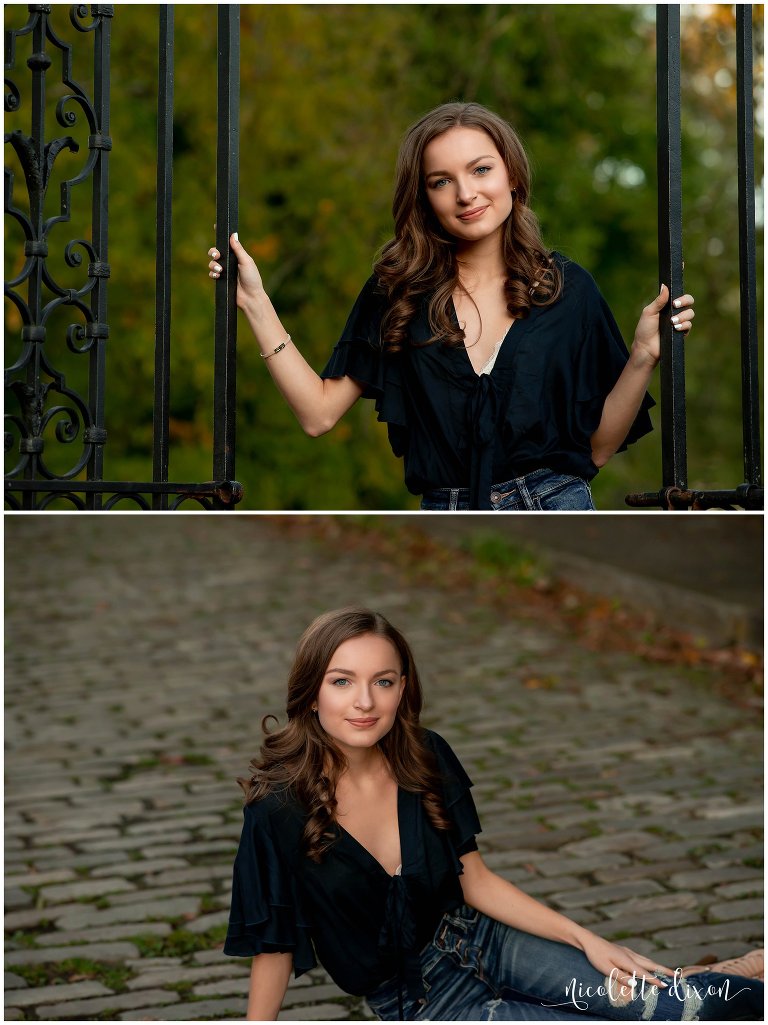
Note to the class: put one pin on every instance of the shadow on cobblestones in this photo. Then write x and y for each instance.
(141, 654)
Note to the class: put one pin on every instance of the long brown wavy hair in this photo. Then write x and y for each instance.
(421, 259)
(303, 759)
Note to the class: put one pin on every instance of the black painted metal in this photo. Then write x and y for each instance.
(161, 431)
(670, 223)
(227, 187)
(674, 493)
(746, 148)
(44, 414)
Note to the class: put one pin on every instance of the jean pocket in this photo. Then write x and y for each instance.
(562, 492)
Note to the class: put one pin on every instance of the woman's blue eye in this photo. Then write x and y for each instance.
(483, 169)
(386, 683)
(341, 682)
(439, 183)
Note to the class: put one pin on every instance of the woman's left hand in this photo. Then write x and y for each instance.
(647, 343)
(622, 965)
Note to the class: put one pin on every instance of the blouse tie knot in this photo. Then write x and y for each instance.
(481, 424)
(398, 937)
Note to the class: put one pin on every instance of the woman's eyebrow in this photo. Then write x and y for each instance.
(487, 156)
(351, 672)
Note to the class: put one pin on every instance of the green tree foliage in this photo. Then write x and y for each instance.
(326, 93)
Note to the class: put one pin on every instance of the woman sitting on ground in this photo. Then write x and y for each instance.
(359, 847)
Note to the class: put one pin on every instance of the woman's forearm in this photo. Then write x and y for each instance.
(269, 981)
(502, 900)
(317, 404)
(621, 407)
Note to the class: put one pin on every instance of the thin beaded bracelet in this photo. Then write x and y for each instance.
(282, 345)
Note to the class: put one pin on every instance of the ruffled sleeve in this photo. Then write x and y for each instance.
(358, 354)
(266, 915)
(601, 359)
(459, 803)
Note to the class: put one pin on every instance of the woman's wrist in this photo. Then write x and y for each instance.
(257, 306)
(641, 359)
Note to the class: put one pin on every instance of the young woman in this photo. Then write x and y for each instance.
(359, 846)
(496, 364)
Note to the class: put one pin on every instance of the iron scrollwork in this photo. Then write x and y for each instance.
(48, 409)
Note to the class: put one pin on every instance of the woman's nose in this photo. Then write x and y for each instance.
(364, 698)
(465, 193)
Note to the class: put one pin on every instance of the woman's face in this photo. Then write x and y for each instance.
(361, 689)
(467, 184)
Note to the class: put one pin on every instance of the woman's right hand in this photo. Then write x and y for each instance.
(249, 283)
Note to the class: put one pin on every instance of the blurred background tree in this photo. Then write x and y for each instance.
(326, 94)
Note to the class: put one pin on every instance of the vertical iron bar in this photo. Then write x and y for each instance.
(100, 218)
(750, 390)
(669, 169)
(227, 187)
(160, 439)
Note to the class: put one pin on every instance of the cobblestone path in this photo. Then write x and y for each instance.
(141, 655)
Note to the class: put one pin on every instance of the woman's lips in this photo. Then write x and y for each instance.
(470, 215)
(362, 724)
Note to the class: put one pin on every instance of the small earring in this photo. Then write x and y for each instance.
(314, 711)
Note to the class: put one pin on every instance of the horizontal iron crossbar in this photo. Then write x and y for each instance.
(745, 496)
(227, 491)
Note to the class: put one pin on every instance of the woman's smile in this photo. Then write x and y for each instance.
(471, 215)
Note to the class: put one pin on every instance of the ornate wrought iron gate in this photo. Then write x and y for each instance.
(51, 416)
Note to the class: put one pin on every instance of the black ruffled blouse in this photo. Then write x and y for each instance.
(364, 925)
(537, 409)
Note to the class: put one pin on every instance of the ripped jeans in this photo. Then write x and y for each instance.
(476, 969)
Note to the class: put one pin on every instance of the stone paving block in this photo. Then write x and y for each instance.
(662, 870)
(747, 888)
(704, 878)
(573, 865)
(316, 1012)
(217, 956)
(106, 933)
(139, 912)
(598, 895)
(190, 875)
(660, 902)
(15, 898)
(131, 843)
(615, 928)
(622, 842)
(165, 893)
(153, 964)
(206, 922)
(14, 981)
(85, 888)
(196, 1010)
(711, 933)
(728, 910)
(61, 875)
(198, 974)
(74, 1009)
(315, 994)
(31, 917)
(143, 866)
(92, 951)
(35, 995)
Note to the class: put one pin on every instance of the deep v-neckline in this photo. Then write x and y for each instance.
(372, 857)
(497, 349)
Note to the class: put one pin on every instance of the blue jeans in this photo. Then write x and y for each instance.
(542, 489)
(476, 969)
